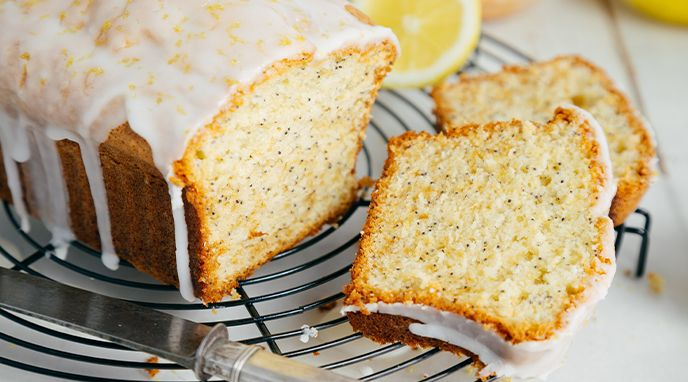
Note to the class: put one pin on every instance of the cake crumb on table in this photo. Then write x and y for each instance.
(366, 181)
(471, 369)
(656, 282)
(152, 372)
(234, 295)
(307, 333)
(327, 307)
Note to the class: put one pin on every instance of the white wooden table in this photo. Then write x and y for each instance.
(635, 335)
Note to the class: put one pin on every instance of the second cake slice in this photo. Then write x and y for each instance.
(532, 92)
(491, 240)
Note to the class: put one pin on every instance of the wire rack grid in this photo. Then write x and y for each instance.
(301, 286)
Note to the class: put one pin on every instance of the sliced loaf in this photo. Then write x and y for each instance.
(193, 139)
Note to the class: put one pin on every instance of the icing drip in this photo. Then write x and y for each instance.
(19, 140)
(48, 192)
(181, 241)
(12, 172)
(52, 197)
(94, 172)
(167, 68)
(15, 149)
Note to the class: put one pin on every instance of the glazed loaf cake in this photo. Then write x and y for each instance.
(193, 139)
(490, 240)
(532, 92)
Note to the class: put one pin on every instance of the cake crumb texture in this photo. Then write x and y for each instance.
(280, 164)
(499, 223)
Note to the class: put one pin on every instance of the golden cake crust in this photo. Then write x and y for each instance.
(633, 185)
(359, 293)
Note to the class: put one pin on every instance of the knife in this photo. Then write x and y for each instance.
(205, 350)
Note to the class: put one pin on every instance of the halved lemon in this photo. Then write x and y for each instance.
(437, 37)
(675, 11)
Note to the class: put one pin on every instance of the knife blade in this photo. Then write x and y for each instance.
(205, 350)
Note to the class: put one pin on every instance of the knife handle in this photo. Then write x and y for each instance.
(236, 362)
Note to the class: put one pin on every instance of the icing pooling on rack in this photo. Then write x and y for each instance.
(165, 67)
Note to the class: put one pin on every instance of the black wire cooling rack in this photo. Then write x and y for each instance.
(301, 286)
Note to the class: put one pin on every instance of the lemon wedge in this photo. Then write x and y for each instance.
(437, 37)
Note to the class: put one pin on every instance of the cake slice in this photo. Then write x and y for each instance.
(490, 240)
(533, 92)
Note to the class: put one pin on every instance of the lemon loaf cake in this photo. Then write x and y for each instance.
(489, 240)
(532, 92)
(193, 139)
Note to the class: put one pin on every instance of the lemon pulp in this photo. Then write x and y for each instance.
(436, 36)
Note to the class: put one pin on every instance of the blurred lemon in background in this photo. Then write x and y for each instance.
(675, 11)
(437, 37)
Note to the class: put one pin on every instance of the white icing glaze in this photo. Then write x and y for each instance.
(94, 173)
(181, 240)
(14, 140)
(50, 191)
(96, 183)
(608, 190)
(166, 67)
(530, 359)
(12, 173)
